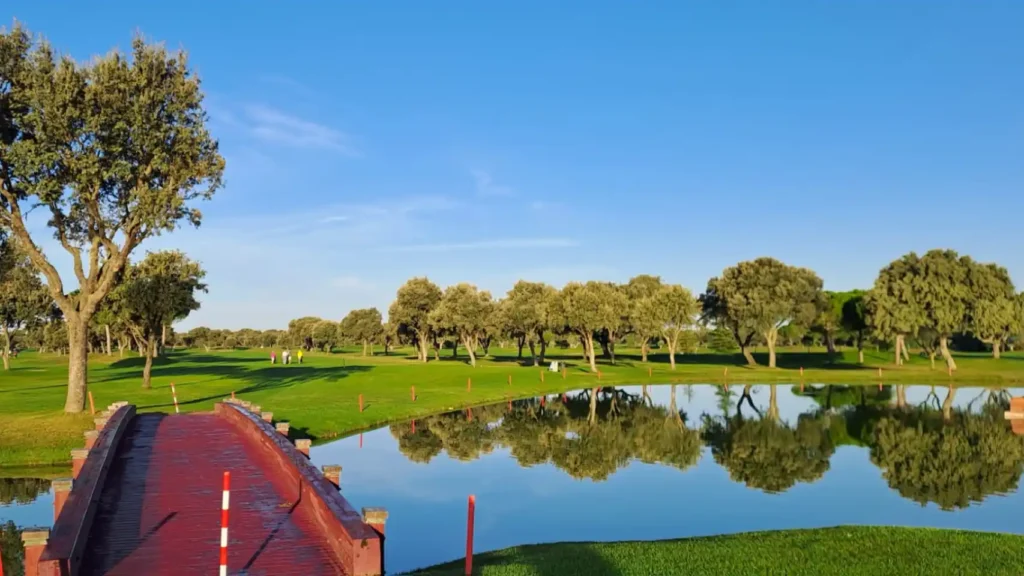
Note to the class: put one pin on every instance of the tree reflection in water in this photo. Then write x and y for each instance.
(928, 452)
(590, 435)
(22, 490)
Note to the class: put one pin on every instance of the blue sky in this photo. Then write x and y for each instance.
(492, 141)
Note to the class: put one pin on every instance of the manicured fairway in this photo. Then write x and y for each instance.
(844, 550)
(320, 397)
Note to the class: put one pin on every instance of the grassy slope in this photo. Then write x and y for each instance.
(320, 397)
(846, 550)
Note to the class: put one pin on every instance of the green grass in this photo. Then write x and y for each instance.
(846, 550)
(320, 397)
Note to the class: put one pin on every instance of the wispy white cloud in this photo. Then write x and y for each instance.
(332, 219)
(503, 244)
(277, 127)
(486, 186)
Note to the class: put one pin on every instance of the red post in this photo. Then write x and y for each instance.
(598, 374)
(725, 373)
(565, 398)
(360, 402)
(360, 440)
(542, 399)
(232, 394)
(648, 371)
(510, 405)
(563, 372)
(879, 371)
(174, 394)
(469, 414)
(801, 371)
(541, 379)
(413, 431)
(469, 536)
(801, 386)
(224, 524)
(92, 411)
(509, 379)
(469, 384)
(879, 386)
(1, 562)
(413, 393)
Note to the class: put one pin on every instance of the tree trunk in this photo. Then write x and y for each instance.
(643, 349)
(592, 417)
(163, 339)
(746, 354)
(455, 348)
(588, 346)
(520, 342)
(901, 397)
(469, 350)
(611, 350)
(533, 353)
(899, 350)
(671, 343)
(78, 363)
(7, 346)
(423, 348)
(931, 358)
(947, 404)
(147, 370)
(773, 403)
(110, 348)
(944, 348)
(605, 349)
(543, 349)
(770, 337)
(996, 349)
(904, 350)
(830, 345)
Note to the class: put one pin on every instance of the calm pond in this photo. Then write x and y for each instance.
(669, 462)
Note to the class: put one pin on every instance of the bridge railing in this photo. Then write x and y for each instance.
(66, 543)
(358, 546)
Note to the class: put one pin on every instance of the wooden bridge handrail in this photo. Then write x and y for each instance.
(357, 545)
(66, 545)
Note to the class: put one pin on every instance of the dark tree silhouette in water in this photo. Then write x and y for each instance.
(952, 457)
(766, 453)
(22, 490)
(11, 550)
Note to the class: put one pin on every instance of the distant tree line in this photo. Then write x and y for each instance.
(938, 302)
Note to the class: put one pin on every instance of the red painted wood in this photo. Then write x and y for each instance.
(67, 541)
(159, 512)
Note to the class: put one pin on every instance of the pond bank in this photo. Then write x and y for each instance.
(847, 550)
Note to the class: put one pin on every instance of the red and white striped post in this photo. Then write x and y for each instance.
(174, 394)
(224, 525)
(469, 535)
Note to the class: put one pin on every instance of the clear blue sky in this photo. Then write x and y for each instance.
(490, 141)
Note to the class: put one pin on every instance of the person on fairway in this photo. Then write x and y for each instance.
(300, 355)
(273, 357)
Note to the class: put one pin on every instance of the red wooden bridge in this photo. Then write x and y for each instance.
(146, 499)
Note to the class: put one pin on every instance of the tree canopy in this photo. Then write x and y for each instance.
(24, 301)
(115, 150)
(760, 296)
(464, 311)
(672, 309)
(410, 312)
(364, 326)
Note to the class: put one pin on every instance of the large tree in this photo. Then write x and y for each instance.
(855, 319)
(941, 282)
(642, 320)
(992, 309)
(325, 335)
(157, 291)
(587, 309)
(410, 312)
(759, 297)
(363, 326)
(894, 308)
(526, 311)
(114, 150)
(673, 310)
(24, 301)
(464, 311)
(300, 331)
(830, 319)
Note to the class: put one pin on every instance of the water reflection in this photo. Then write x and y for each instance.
(664, 462)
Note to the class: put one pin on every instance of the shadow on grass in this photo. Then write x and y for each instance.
(261, 379)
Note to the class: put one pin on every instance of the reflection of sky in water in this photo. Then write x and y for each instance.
(515, 505)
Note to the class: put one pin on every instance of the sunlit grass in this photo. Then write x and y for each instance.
(320, 397)
(845, 550)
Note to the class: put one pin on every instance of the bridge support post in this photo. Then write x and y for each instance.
(333, 474)
(90, 438)
(61, 490)
(268, 417)
(34, 540)
(78, 456)
(303, 445)
(100, 422)
(282, 428)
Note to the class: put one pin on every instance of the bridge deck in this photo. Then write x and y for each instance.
(159, 512)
